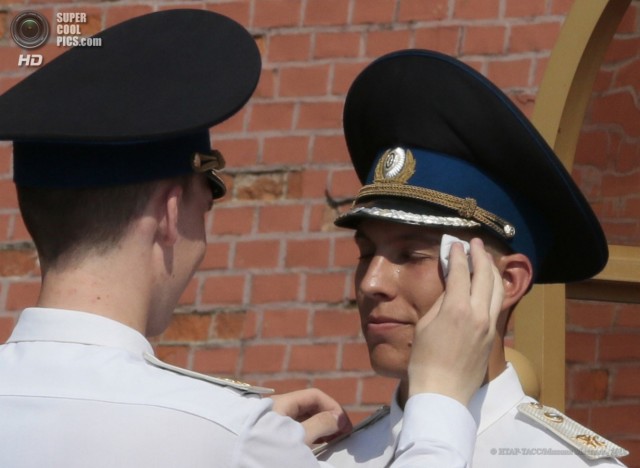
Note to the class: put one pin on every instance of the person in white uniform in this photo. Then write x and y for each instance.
(115, 174)
(441, 152)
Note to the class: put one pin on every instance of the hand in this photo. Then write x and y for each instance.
(451, 351)
(320, 415)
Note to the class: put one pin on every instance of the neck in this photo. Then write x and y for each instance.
(105, 285)
(496, 365)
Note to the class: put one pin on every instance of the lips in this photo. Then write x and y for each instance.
(380, 325)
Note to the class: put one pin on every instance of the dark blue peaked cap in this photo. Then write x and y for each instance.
(435, 143)
(137, 108)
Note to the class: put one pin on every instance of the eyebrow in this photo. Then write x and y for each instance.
(429, 237)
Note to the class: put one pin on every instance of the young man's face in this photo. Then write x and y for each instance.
(397, 281)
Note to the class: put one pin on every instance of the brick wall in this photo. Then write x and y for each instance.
(273, 301)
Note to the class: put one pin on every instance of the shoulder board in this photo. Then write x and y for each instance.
(575, 434)
(372, 419)
(235, 384)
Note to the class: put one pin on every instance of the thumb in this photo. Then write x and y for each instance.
(322, 425)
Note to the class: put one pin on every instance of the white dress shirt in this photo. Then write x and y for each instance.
(76, 391)
(505, 438)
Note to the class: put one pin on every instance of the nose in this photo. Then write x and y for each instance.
(378, 279)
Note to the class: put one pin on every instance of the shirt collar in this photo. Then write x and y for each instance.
(496, 398)
(69, 326)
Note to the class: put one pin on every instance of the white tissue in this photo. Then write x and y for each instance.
(445, 248)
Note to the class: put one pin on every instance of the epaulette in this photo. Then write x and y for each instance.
(584, 440)
(373, 418)
(243, 387)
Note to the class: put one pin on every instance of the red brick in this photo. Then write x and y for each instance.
(378, 390)
(382, 42)
(629, 316)
(216, 360)
(250, 325)
(325, 287)
(304, 81)
(633, 446)
(175, 355)
(620, 346)
(263, 358)
(628, 157)
(280, 218)
(620, 185)
(581, 415)
(257, 254)
(593, 148)
(286, 150)
(271, 116)
(580, 347)
(419, 10)
(286, 385)
(343, 389)
(21, 295)
(228, 325)
(626, 382)
(588, 385)
(319, 357)
(289, 323)
(232, 220)
(307, 253)
(266, 187)
(238, 11)
(240, 152)
(589, 315)
(345, 253)
(309, 183)
(373, 11)
(616, 108)
(8, 197)
(322, 218)
(235, 123)
(355, 357)
(188, 296)
(320, 115)
(116, 14)
(533, 37)
(18, 262)
(530, 8)
(629, 22)
(476, 9)
(561, 7)
(442, 39)
(274, 288)
(344, 183)
(510, 73)
(337, 44)
(289, 47)
(627, 75)
(216, 257)
(341, 322)
(188, 327)
(223, 290)
(277, 13)
(484, 40)
(622, 419)
(326, 12)
(329, 149)
(622, 48)
(6, 327)
(343, 76)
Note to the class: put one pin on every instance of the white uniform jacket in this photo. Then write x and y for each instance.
(76, 391)
(505, 438)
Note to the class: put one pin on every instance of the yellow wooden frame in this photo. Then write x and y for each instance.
(562, 100)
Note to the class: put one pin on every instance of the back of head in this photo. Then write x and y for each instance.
(95, 129)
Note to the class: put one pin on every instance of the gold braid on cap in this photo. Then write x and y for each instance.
(201, 162)
(467, 208)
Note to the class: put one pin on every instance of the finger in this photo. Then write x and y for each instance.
(458, 280)
(483, 280)
(324, 425)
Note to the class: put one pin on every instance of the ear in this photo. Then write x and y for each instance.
(517, 274)
(169, 210)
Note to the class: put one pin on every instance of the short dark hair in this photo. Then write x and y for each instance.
(66, 224)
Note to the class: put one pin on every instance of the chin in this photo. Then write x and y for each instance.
(388, 361)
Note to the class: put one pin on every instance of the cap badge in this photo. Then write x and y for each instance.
(396, 165)
(207, 162)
